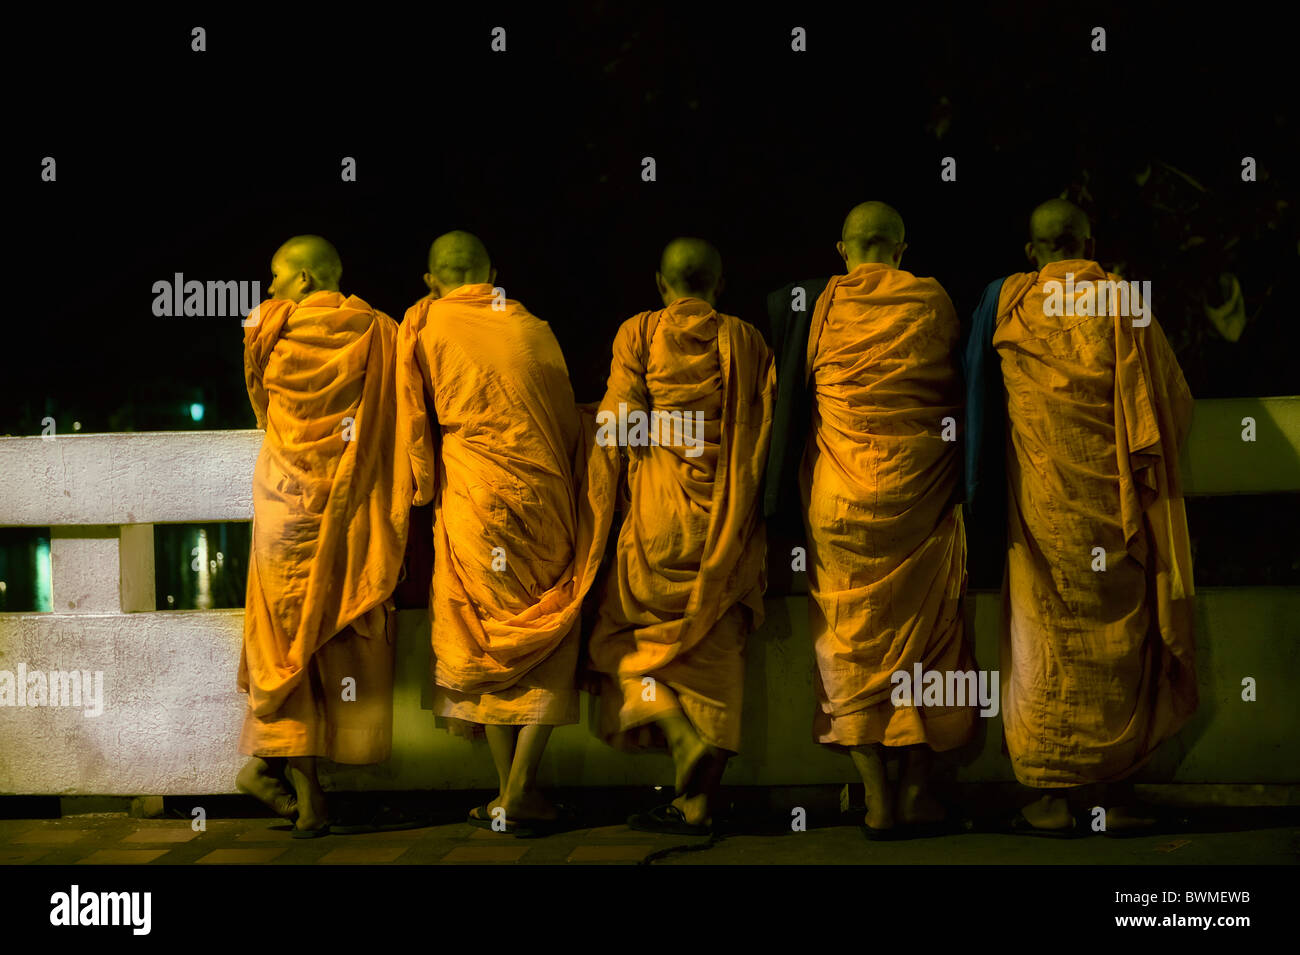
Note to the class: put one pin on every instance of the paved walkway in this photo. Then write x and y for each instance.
(118, 839)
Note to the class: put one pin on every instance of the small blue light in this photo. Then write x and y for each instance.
(196, 411)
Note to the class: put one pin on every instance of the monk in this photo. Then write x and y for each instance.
(494, 440)
(688, 580)
(886, 544)
(329, 532)
(1097, 638)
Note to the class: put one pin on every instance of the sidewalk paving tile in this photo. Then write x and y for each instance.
(610, 853)
(362, 855)
(50, 837)
(158, 835)
(239, 856)
(485, 854)
(122, 856)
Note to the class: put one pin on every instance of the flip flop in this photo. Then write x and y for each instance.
(667, 819)
(480, 817)
(1020, 826)
(537, 828)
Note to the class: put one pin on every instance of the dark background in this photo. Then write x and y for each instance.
(203, 163)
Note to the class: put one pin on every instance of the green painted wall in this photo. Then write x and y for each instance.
(1242, 632)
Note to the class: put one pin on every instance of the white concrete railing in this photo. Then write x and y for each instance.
(171, 713)
(170, 706)
(101, 494)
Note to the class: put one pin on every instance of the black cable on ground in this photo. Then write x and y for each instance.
(658, 854)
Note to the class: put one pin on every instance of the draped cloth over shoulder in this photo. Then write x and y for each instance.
(688, 582)
(880, 484)
(522, 505)
(329, 529)
(1098, 665)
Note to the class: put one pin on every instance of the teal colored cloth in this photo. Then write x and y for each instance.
(986, 425)
(791, 415)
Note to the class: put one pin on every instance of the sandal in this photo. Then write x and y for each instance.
(666, 819)
(480, 817)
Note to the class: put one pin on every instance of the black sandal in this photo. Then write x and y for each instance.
(480, 818)
(524, 828)
(667, 819)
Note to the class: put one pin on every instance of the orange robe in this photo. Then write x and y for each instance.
(886, 543)
(329, 530)
(494, 439)
(1098, 666)
(687, 587)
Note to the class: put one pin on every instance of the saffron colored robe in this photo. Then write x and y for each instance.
(1097, 665)
(687, 585)
(329, 530)
(880, 485)
(494, 440)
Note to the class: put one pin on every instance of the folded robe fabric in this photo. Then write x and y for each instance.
(687, 584)
(522, 505)
(347, 722)
(1097, 664)
(329, 516)
(881, 490)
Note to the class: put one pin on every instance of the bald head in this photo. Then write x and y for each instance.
(872, 232)
(303, 265)
(689, 268)
(455, 259)
(1058, 230)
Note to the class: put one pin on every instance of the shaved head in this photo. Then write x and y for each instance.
(1058, 230)
(872, 232)
(305, 264)
(690, 268)
(455, 259)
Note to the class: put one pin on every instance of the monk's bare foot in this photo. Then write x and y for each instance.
(917, 805)
(694, 808)
(879, 814)
(880, 807)
(312, 810)
(688, 758)
(870, 763)
(527, 806)
(1050, 812)
(257, 780)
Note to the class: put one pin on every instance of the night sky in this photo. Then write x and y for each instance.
(202, 163)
